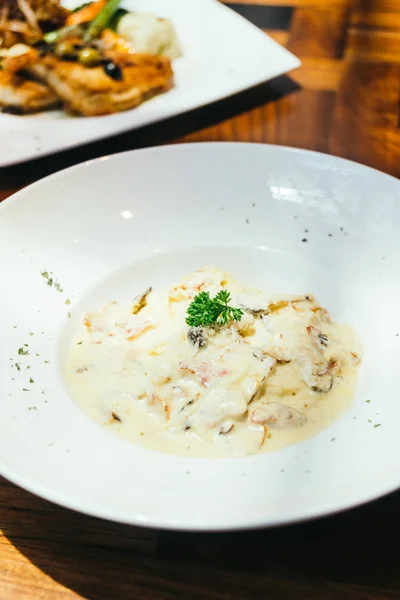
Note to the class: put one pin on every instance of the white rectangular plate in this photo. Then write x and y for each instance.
(222, 54)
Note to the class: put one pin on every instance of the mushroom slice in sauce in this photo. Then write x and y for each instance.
(323, 385)
(226, 428)
(261, 306)
(284, 301)
(319, 339)
(140, 301)
(276, 414)
(197, 337)
(318, 374)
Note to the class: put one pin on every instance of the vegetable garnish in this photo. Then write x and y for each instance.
(101, 21)
(117, 16)
(206, 311)
(87, 12)
(51, 281)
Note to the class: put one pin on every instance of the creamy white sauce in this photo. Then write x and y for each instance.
(280, 375)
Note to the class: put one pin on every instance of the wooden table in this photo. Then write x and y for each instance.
(344, 100)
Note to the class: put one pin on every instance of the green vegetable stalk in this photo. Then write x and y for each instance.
(102, 20)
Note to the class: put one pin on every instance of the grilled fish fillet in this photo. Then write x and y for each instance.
(18, 94)
(91, 92)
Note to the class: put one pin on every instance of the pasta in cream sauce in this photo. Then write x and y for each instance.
(281, 374)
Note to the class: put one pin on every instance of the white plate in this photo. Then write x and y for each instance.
(110, 227)
(222, 54)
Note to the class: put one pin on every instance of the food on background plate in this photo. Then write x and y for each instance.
(17, 91)
(124, 83)
(50, 56)
(150, 34)
(212, 367)
(26, 20)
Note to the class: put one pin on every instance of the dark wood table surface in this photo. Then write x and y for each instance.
(344, 100)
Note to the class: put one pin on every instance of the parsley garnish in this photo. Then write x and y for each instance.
(31, 380)
(206, 311)
(51, 281)
(22, 352)
(45, 275)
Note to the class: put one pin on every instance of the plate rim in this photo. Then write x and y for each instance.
(176, 145)
(171, 525)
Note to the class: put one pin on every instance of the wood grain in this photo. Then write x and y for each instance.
(375, 19)
(345, 100)
(373, 46)
(372, 91)
(278, 35)
(318, 33)
(320, 74)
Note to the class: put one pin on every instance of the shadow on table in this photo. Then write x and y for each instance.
(353, 555)
(151, 135)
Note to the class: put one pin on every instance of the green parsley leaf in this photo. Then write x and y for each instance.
(205, 311)
(22, 352)
(51, 281)
(226, 313)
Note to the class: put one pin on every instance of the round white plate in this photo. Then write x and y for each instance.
(284, 219)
